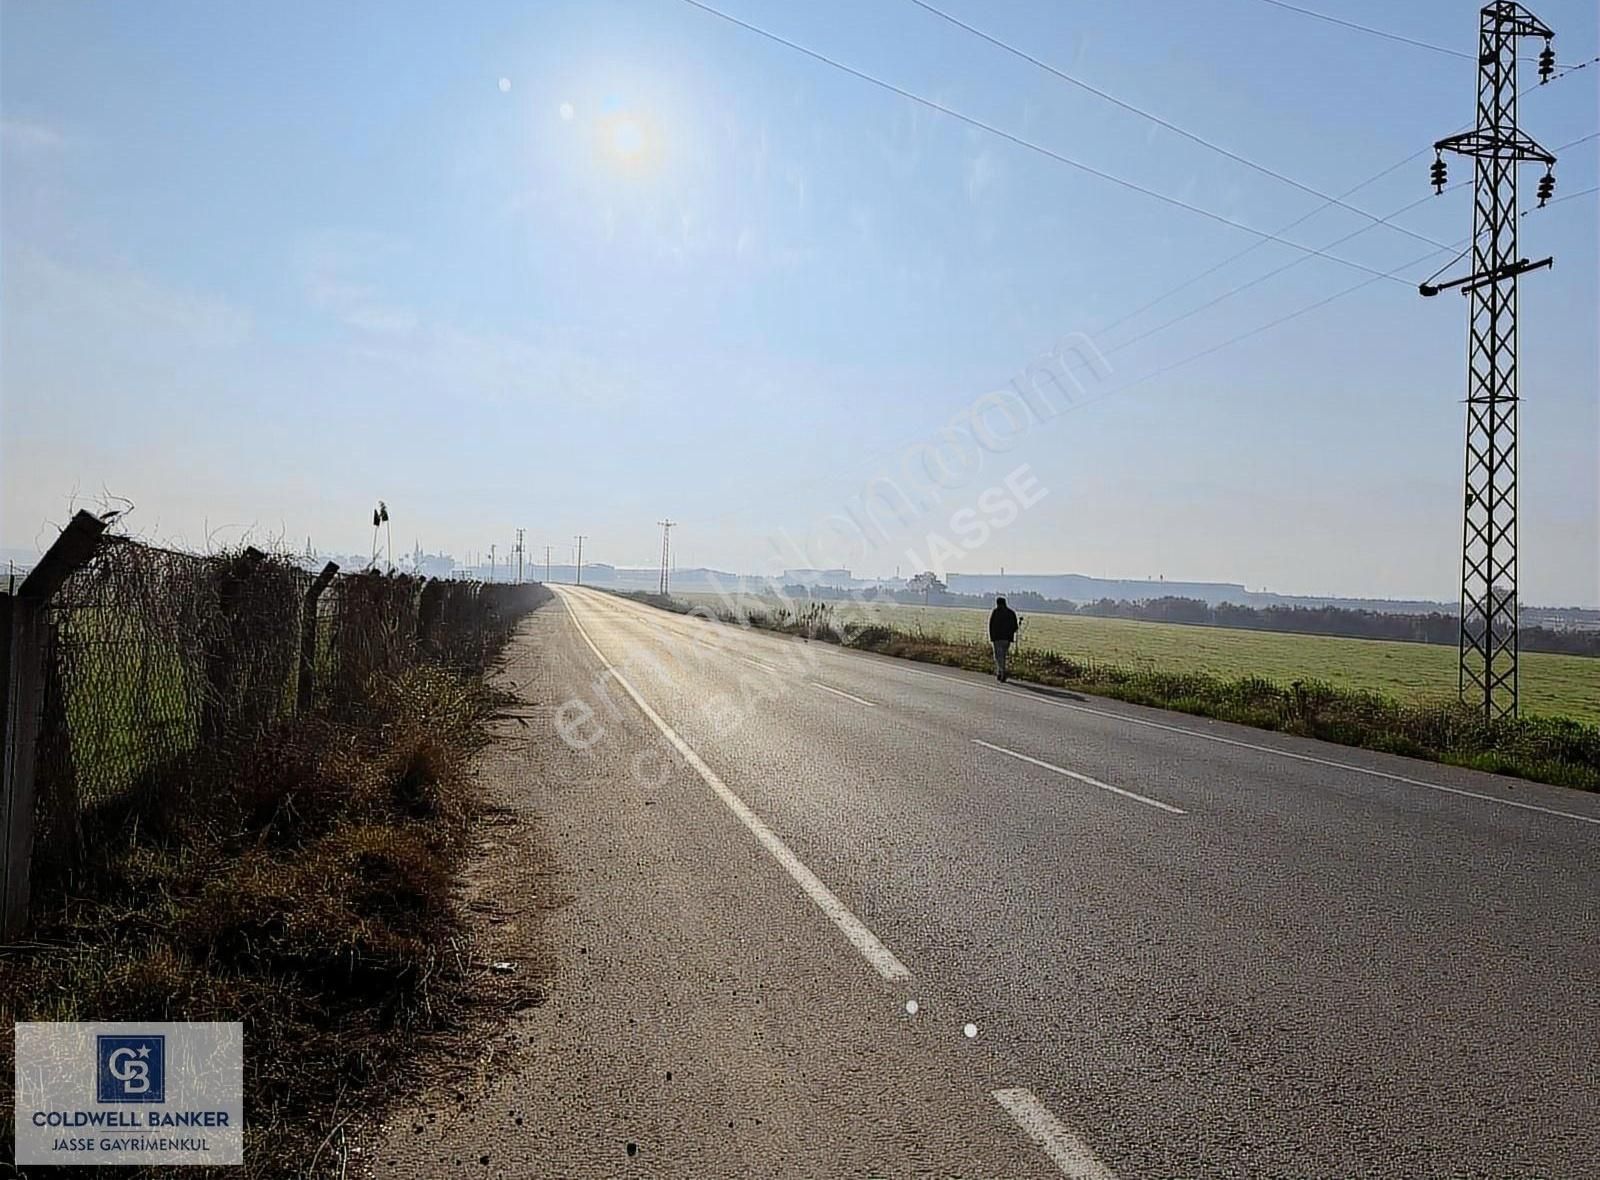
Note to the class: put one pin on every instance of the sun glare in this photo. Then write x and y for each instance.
(629, 142)
(627, 139)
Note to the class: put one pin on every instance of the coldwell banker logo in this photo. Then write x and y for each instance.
(123, 1092)
(132, 1069)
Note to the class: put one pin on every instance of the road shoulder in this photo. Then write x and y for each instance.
(703, 1017)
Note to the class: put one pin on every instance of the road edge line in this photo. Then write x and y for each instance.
(879, 956)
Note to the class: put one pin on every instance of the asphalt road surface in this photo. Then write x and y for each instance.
(890, 919)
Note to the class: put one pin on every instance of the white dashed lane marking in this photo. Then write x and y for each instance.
(1082, 778)
(1072, 1155)
(839, 692)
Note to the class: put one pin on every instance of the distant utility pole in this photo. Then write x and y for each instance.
(1488, 666)
(666, 548)
(580, 559)
(547, 565)
(519, 557)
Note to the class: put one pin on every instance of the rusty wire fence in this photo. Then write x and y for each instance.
(135, 660)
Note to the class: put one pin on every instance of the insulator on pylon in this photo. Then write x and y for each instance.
(1437, 175)
(1547, 63)
(1547, 188)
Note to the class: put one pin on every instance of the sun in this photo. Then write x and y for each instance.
(630, 142)
(627, 139)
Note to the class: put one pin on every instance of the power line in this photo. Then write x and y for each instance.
(1562, 73)
(1029, 144)
(1253, 246)
(1294, 262)
(1263, 237)
(1397, 272)
(1391, 36)
(1266, 327)
(1256, 245)
(1166, 123)
(1270, 324)
(1350, 24)
(1259, 279)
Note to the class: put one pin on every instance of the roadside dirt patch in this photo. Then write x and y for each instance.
(508, 885)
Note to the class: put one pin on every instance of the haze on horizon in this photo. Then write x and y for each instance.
(575, 268)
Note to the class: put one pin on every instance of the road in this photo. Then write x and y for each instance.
(932, 925)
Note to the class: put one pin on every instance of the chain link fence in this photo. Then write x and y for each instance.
(153, 660)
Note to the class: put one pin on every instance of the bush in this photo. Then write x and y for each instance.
(869, 637)
(303, 886)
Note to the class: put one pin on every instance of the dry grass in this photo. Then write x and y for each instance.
(303, 885)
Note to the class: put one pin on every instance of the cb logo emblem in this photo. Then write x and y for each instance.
(131, 1068)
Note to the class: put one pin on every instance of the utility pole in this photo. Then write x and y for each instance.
(547, 565)
(1487, 676)
(579, 571)
(666, 533)
(491, 563)
(519, 557)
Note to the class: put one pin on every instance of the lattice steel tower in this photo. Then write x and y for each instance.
(666, 554)
(1488, 675)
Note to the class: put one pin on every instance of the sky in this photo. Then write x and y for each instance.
(576, 267)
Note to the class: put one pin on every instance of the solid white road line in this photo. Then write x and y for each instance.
(881, 958)
(1082, 778)
(839, 692)
(1071, 1154)
(630, 611)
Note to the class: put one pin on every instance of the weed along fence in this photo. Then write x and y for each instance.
(127, 664)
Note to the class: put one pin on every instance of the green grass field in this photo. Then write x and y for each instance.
(1552, 685)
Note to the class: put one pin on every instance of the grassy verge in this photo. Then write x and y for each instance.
(302, 883)
(1545, 749)
(1553, 685)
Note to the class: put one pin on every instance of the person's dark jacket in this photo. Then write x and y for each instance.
(1002, 624)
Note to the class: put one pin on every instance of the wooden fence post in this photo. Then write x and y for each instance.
(430, 608)
(7, 613)
(28, 648)
(218, 707)
(308, 638)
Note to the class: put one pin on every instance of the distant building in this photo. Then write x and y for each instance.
(837, 578)
(432, 565)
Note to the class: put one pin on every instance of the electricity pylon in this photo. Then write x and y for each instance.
(666, 533)
(1488, 646)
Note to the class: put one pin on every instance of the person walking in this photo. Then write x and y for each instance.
(1002, 630)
